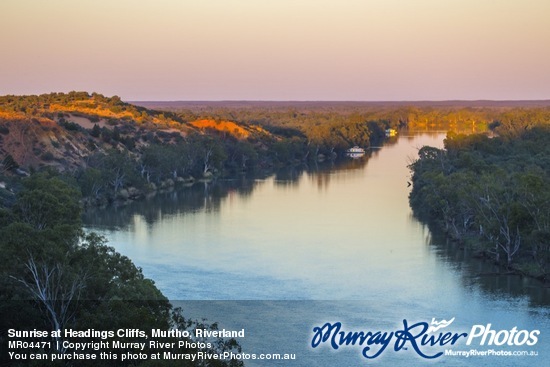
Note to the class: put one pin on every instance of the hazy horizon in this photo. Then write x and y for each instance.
(337, 101)
(288, 50)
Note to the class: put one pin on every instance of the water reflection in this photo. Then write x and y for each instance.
(201, 196)
(490, 278)
(209, 196)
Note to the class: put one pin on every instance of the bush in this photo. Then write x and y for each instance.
(47, 156)
(70, 126)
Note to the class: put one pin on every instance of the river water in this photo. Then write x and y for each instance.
(281, 254)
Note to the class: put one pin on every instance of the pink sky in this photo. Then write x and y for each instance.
(278, 50)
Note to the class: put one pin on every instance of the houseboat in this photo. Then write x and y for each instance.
(391, 132)
(355, 152)
(355, 149)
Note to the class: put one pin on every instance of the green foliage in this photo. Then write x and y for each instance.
(47, 202)
(116, 133)
(47, 156)
(91, 182)
(96, 131)
(494, 189)
(108, 173)
(69, 125)
(53, 276)
(8, 164)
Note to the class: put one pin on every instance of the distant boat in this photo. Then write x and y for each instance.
(355, 149)
(391, 132)
(355, 152)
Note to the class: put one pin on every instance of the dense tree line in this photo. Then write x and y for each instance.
(491, 193)
(158, 162)
(147, 159)
(307, 117)
(54, 276)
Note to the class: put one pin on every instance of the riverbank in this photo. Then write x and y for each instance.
(470, 248)
(490, 194)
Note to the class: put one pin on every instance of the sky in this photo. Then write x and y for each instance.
(353, 50)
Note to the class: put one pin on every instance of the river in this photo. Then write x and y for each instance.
(281, 254)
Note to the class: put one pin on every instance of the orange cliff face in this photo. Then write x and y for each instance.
(230, 127)
(95, 111)
(101, 111)
(9, 115)
(55, 129)
(34, 141)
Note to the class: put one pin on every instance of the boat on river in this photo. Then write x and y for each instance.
(355, 152)
(391, 132)
(355, 149)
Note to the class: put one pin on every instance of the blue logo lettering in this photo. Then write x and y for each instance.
(375, 343)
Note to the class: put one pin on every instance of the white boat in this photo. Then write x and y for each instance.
(355, 150)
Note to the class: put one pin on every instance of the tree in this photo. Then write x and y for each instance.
(96, 131)
(210, 154)
(47, 202)
(91, 182)
(54, 291)
(8, 164)
(496, 212)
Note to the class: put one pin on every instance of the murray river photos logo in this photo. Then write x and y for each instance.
(428, 340)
